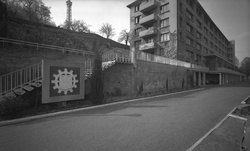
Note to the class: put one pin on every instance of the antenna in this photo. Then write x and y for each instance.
(69, 14)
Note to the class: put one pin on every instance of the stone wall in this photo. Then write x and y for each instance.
(124, 81)
(45, 34)
(13, 58)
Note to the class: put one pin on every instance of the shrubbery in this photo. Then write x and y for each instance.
(12, 107)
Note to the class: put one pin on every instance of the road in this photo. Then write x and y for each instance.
(169, 123)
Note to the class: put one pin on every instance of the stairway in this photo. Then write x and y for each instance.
(29, 78)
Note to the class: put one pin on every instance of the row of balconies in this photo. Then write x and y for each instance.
(147, 20)
(147, 6)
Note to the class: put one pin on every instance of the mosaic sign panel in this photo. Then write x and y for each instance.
(62, 81)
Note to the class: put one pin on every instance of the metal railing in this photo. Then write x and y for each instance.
(159, 59)
(19, 78)
(44, 46)
(117, 55)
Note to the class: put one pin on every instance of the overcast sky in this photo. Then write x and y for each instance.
(231, 16)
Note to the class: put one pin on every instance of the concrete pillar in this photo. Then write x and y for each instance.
(194, 78)
(220, 79)
(199, 78)
(204, 78)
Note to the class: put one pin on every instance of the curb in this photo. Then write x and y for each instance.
(26, 119)
(209, 132)
(245, 101)
(218, 125)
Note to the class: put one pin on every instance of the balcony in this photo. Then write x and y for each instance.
(148, 19)
(164, 15)
(147, 46)
(147, 6)
(147, 33)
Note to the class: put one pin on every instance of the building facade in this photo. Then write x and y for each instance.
(181, 30)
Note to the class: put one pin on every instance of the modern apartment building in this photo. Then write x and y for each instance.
(181, 30)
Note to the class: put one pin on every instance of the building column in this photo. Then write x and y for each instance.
(220, 79)
(199, 78)
(194, 78)
(204, 78)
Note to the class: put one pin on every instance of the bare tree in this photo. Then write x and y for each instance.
(107, 30)
(124, 36)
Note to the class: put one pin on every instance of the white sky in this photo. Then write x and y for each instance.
(231, 16)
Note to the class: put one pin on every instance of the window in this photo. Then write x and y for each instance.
(180, 21)
(165, 37)
(190, 54)
(189, 41)
(189, 28)
(211, 35)
(211, 45)
(198, 35)
(206, 20)
(164, 23)
(137, 44)
(198, 24)
(205, 30)
(206, 50)
(164, 8)
(206, 40)
(189, 15)
(137, 19)
(198, 58)
(181, 36)
(137, 8)
(211, 26)
(198, 12)
(181, 6)
(149, 40)
(198, 46)
(137, 31)
(190, 3)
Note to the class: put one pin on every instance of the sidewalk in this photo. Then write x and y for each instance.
(227, 137)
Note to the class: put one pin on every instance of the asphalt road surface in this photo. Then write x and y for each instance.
(167, 123)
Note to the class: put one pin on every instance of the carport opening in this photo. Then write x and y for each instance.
(212, 79)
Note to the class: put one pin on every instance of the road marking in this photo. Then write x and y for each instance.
(245, 101)
(15, 121)
(218, 125)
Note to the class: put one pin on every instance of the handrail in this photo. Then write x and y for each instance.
(38, 45)
(19, 78)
